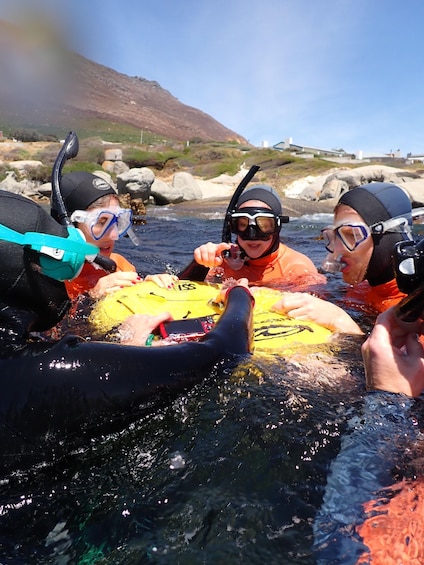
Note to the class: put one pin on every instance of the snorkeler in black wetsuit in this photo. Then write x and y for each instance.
(74, 388)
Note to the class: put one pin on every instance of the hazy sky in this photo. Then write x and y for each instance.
(330, 73)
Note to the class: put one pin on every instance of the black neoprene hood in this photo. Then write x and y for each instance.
(265, 194)
(376, 202)
(80, 189)
(41, 300)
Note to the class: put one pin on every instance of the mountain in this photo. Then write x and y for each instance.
(44, 85)
(105, 93)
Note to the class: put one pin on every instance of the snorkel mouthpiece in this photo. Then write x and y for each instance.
(235, 258)
(331, 264)
(66, 260)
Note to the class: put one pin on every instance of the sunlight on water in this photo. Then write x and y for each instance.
(232, 471)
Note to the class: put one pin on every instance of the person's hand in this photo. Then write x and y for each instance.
(137, 328)
(304, 306)
(164, 280)
(114, 281)
(394, 356)
(210, 254)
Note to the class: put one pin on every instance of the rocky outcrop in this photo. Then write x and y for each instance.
(138, 184)
(141, 184)
(332, 186)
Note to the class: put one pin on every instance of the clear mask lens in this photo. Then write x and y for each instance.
(350, 235)
(101, 221)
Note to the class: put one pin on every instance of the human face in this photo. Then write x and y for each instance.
(254, 248)
(354, 263)
(106, 242)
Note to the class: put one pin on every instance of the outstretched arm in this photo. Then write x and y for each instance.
(304, 306)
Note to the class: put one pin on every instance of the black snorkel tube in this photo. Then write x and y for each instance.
(196, 272)
(69, 150)
(226, 229)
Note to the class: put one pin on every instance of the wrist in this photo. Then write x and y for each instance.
(241, 287)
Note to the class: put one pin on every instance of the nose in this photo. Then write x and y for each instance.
(112, 232)
(338, 247)
(251, 232)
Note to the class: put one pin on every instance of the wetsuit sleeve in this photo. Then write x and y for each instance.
(373, 444)
(75, 389)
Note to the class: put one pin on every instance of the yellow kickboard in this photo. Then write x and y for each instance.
(189, 299)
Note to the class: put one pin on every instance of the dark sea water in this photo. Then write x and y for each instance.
(231, 472)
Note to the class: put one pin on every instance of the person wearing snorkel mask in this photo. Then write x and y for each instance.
(58, 393)
(93, 206)
(258, 254)
(368, 221)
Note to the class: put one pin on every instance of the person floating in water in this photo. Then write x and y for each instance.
(372, 510)
(74, 387)
(368, 221)
(93, 206)
(258, 253)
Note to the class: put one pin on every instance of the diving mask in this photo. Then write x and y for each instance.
(256, 223)
(350, 235)
(101, 221)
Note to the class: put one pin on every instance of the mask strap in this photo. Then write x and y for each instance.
(392, 225)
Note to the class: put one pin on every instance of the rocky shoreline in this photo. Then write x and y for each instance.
(142, 186)
(293, 207)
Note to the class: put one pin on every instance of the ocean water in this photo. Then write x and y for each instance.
(231, 472)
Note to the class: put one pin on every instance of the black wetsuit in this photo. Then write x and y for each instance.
(73, 389)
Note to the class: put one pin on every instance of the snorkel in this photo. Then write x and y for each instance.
(236, 262)
(232, 206)
(69, 150)
(197, 272)
(60, 258)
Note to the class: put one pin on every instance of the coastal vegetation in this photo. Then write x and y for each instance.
(166, 156)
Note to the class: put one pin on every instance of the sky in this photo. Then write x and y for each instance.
(327, 73)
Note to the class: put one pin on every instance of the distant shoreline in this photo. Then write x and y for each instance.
(293, 207)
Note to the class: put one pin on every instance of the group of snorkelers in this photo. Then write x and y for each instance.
(368, 222)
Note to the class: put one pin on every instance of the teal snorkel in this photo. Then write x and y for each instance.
(60, 258)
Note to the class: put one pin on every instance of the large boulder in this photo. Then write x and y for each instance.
(136, 182)
(116, 167)
(341, 181)
(113, 154)
(25, 187)
(187, 184)
(25, 166)
(415, 191)
(163, 193)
